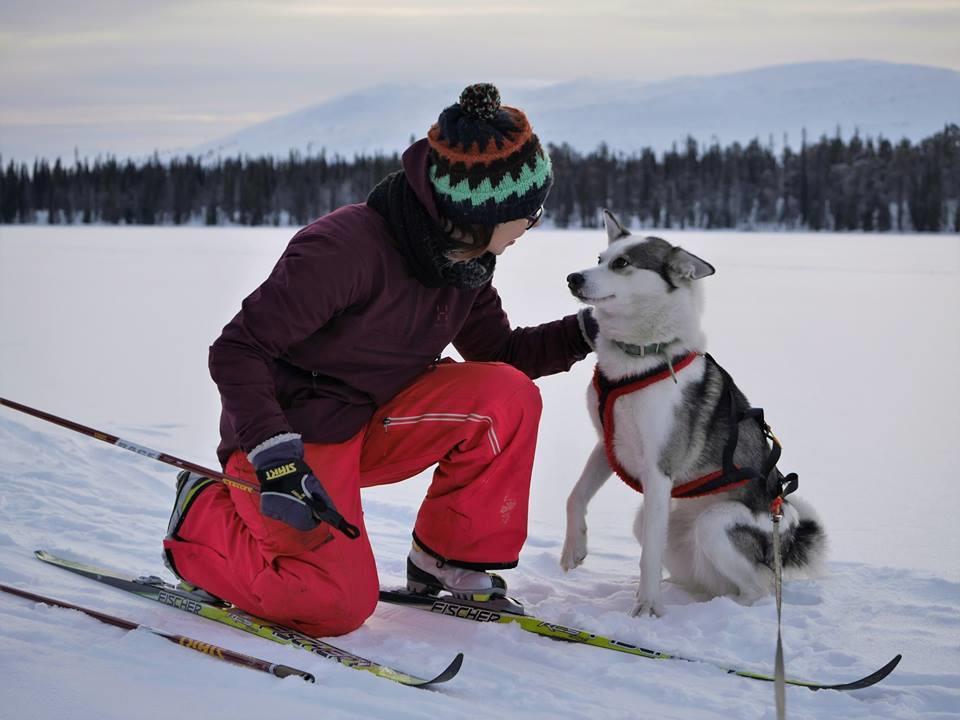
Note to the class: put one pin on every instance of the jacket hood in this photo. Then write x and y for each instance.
(416, 162)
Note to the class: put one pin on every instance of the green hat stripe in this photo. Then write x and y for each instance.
(486, 191)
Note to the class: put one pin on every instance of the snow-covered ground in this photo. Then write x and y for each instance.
(849, 342)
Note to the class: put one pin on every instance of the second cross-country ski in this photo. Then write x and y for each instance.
(504, 611)
(153, 588)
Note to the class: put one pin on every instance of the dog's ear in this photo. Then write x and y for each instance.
(683, 265)
(615, 230)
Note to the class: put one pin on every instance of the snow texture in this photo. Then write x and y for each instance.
(849, 342)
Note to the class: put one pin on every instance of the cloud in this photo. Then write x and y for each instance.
(195, 63)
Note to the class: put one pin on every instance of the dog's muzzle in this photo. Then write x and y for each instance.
(576, 281)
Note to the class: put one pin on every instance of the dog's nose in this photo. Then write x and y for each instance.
(575, 281)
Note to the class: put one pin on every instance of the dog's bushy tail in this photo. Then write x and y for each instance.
(803, 547)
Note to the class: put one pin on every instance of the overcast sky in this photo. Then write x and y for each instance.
(133, 76)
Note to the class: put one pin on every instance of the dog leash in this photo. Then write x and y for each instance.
(779, 671)
(776, 482)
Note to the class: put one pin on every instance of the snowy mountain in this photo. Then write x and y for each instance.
(875, 98)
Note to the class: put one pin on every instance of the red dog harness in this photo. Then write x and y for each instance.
(608, 392)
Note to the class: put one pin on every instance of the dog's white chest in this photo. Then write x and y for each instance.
(643, 420)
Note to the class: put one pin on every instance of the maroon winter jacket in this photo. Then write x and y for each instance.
(340, 327)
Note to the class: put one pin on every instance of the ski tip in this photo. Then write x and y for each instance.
(889, 667)
(448, 674)
(884, 671)
(865, 682)
(403, 678)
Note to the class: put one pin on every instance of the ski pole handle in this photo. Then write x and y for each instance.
(214, 651)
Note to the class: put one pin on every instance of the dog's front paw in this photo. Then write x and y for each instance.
(648, 606)
(574, 550)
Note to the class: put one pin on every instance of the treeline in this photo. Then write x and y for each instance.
(861, 184)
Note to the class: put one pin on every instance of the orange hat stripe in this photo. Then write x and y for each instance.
(474, 157)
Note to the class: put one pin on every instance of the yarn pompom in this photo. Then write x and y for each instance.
(481, 101)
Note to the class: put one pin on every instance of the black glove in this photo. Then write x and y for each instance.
(289, 491)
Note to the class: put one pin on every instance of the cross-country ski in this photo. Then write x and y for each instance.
(494, 612)
(155, 589)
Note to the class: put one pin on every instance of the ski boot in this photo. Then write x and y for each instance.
(427, 575)
(189, 486)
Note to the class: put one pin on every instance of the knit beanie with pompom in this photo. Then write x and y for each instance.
(486, 164)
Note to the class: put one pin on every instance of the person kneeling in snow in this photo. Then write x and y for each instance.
(331, 381)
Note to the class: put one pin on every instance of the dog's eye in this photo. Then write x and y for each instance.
(599, 260)
(619, 263)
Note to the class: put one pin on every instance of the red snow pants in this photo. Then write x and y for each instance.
(477, 421)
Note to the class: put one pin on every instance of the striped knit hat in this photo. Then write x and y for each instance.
(486, 165)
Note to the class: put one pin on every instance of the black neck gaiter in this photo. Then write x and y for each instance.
(421, 241)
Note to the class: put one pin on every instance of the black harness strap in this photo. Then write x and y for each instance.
(730, 476)
(778, 484)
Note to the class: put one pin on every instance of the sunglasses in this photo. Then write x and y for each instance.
(534, 219)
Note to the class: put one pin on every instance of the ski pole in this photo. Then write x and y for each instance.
(348, 529)
(214, 651)
(132, 446)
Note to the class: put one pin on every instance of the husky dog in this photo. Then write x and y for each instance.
(667, 414)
